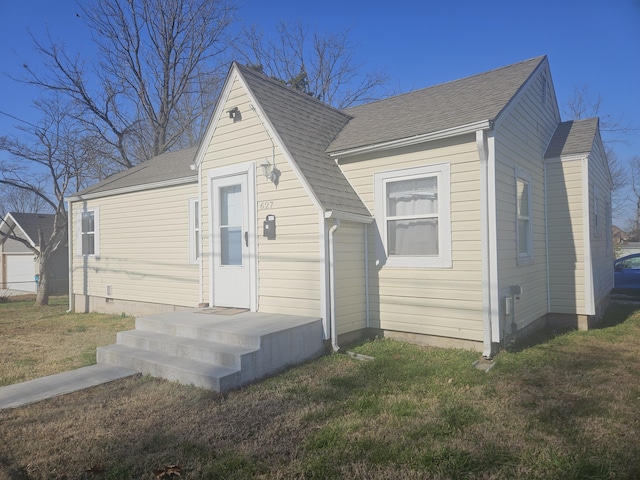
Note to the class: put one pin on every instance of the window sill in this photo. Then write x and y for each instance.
(418, 262)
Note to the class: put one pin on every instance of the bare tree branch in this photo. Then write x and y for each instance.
(52, 161)
(160, 62)
(321, 65)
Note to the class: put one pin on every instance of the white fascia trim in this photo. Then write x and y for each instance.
(589, 299)
(134, 188)
(427, 137)
(348, 217)
(16, 224)
(273, 133)
(217, 112)
(567, 158)
(504, 113)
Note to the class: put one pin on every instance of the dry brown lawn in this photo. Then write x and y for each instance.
(39, 341)
(566, 408)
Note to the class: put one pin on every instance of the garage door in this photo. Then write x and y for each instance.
(20, 270)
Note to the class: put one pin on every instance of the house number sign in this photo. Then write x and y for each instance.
(265, 205)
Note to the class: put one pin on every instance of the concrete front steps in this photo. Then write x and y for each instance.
(216, 352)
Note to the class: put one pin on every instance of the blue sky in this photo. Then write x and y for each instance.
(418, 43)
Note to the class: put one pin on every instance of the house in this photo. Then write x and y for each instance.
(620, 237)
(463, 214)
(19, 265)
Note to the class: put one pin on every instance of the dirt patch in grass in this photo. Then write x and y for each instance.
(568, 408)
(39, 341)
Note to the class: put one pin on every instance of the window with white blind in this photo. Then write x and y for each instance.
(413, 214)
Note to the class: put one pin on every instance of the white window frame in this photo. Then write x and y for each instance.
(524, 258)
(443, 174)
(195, 231)
(81, 233)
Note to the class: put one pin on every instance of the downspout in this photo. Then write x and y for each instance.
(332, 284)
(366, 274)
(200, 253)
(483, 153)
(70, 253)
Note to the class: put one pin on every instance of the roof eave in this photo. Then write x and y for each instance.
(346, 216)
(134, 188)
(417, 139)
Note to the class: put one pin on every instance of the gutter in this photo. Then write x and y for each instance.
(416, 139)
(332, 284)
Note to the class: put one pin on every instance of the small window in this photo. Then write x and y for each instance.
(413, 214)
(194, 231)
(524, 237)
(88, 232)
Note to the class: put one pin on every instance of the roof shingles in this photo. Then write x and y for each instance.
(433, 109)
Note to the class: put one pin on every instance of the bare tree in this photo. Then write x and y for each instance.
(322, 65)
(47, 166)
(17, 200)
(156, 79)
(614, 129)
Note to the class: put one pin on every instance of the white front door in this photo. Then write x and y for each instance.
(231, 242)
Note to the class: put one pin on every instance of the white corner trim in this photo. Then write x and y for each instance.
(483, 153)
(589, 299)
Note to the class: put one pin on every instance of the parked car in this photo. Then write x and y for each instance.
(626, 274)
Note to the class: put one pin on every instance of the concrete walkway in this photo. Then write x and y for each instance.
(43, 388)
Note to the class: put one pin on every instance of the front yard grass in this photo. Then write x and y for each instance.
(567, 408)
(39, 341)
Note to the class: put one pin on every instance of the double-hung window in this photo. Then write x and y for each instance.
(88, 232)
(524, 236)
(413, 215)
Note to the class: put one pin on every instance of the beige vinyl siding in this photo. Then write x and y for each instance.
(601, 248)
(350, 277)
(565, 221)
(521, 139)
(433, 301)
(14, 246)
(143, 248)
(289, 266)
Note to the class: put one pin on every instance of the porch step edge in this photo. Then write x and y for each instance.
(185, 371)
(225, 354)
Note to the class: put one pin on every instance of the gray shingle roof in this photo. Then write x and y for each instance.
(573, 137)
(441, 107)
(166, 167)
(31, 222)
(307, 126)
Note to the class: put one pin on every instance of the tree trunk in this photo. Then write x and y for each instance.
(42, 297)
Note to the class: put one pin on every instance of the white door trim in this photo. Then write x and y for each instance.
(247, 168)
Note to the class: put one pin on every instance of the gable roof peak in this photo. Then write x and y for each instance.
(249, 70)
